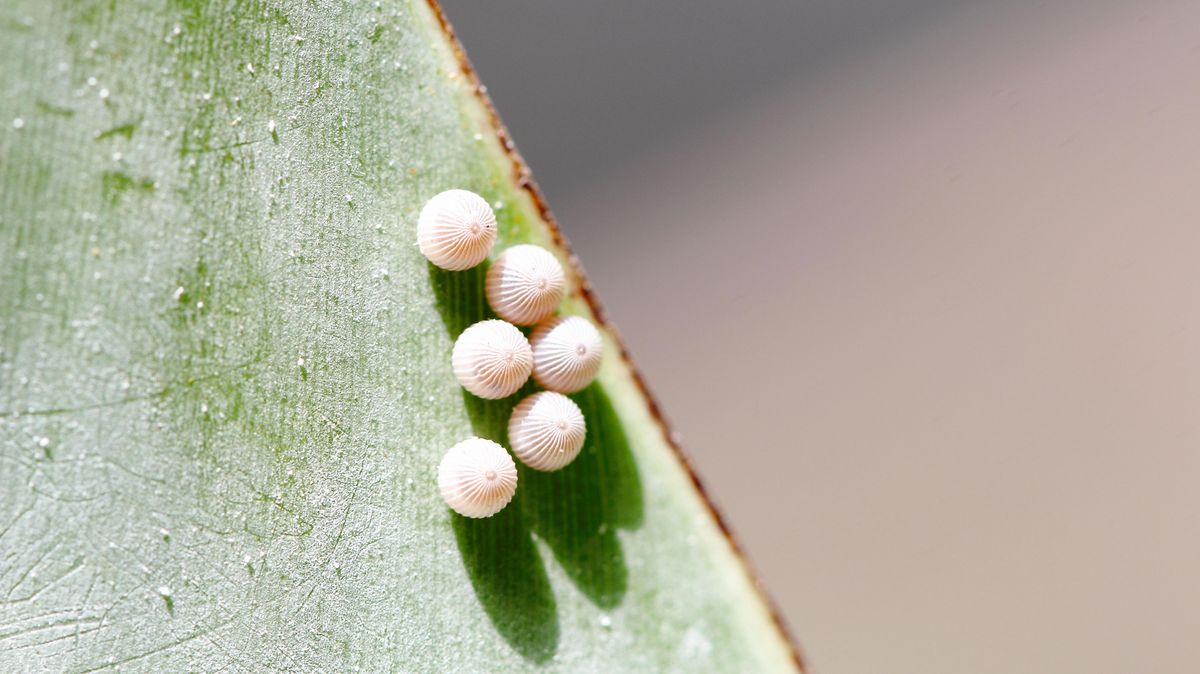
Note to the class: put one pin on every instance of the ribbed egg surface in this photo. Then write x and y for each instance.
(456, 230)
(492, 359)
(546, 431)
(567, 353)
(477, 478)
(525, 284)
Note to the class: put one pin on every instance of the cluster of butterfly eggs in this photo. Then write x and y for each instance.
(492, 359)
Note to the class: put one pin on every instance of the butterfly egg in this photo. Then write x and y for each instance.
(525, 284)
(566, 353)
(546, 430)
(492, 359)
(477, 478)
(456, 230)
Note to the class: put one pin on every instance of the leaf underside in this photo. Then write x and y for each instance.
(225, 380)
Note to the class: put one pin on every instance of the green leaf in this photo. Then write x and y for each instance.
(225, 380)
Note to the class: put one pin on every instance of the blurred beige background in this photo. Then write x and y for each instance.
(927, 316)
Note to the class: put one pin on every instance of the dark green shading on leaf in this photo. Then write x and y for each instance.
(510, 581)
(577, 510)
(115, 184)
(506, 571)
(460, 296)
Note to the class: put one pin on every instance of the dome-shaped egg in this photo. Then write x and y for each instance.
(456, 230)
(477, 478)
(546, 430)
(566, 353)
(492, 359)
(525, 284)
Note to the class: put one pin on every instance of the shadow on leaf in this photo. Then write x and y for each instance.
(501, 559)
(510, 581)
(576, 510)
(460, 296)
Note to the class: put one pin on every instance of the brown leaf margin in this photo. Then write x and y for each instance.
(523, 179)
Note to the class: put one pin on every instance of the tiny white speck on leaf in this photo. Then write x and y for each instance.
(695, 644)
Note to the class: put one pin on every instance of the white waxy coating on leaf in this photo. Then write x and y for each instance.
(456, 230)
(477, 478)
(546, 431)
(525, 284)
(492, 359)
(567, 352)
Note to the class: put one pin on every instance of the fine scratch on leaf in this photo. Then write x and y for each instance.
(62, 637)
(30, 569)
(47, 585)
(10, 633)
(156, 395)
(153, 651)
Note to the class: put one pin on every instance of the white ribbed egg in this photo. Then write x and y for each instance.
(566, 353)
(492, 359)
(546, 430)
(477, 478)
(525, 284)
(456, 230)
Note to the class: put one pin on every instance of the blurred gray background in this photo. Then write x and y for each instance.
(918, 282)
